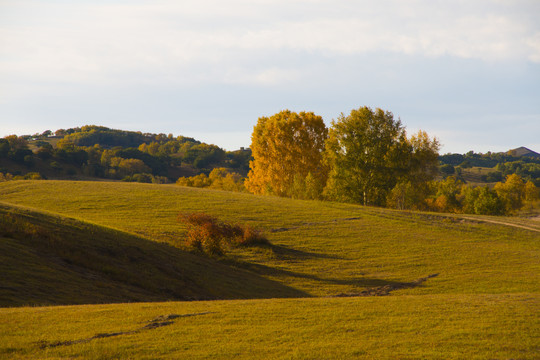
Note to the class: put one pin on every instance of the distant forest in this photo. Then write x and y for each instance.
(101, 152)
(503, 164)
(471, 182)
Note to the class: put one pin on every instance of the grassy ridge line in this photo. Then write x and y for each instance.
(319, 248)
(403, 327)
(50, 259)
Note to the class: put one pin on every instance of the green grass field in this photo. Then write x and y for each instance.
(484, 302)
(50, 260)
(392, 327)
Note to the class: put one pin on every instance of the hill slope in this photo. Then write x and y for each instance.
(319, 248)
(48, 259)
(482, 305)
(523, 151)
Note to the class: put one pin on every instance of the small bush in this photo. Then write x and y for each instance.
(207, 234)
(251, 236)
(5, 177)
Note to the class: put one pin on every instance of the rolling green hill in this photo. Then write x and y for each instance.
(319, 248)
(457, 286)
(49, 259)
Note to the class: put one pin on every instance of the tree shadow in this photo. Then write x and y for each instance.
(287, 253)
(63, 261)
(358, 282)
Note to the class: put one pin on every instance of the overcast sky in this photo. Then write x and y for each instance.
(467, 72)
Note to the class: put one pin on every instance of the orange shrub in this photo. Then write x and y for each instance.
(207, 234)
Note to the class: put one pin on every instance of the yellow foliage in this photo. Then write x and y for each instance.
(512, 192)
(424, 158)
(219, 178)
(287, 150)
(532, 193)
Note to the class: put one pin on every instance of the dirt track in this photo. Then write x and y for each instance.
(501, 223)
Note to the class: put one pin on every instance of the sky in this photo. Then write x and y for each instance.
(467, 72)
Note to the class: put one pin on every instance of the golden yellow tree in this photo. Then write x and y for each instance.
(287, 153)
(532, 193)
(512, 192)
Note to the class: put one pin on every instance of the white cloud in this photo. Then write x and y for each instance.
(169, 41)
(533, 42)
(194, 61)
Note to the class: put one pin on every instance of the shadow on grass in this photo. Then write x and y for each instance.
(54, 260)
(358, 282)
(285, 253)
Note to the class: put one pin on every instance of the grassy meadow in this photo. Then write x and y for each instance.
(391, 327)
(483, 302)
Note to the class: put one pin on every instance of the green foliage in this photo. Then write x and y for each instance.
(493, 176)
(203, 155)
(452, 195)
(488, 159)
(481, 201)
(17, 142)
(90, 135)
(368, 153)
(408, 195)
(526, 170)
(239, 160)
(4, 148)
(219, 178)
(446, 196)
(146, 178)
(27, 176)
(447, 169)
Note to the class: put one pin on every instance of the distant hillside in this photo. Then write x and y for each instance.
(523, 151)
(91, 152)
(478, 168)
(50, 260)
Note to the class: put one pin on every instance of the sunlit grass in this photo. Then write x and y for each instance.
(320, 248)
(484, 304)
(404, 327)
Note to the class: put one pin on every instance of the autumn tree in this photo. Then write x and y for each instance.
(423, 158)
(481, 200)
(512, 192)
(287, 151)
(532, 193)
(130, 166)
(223, 179)
(449, 192)
(414, 186)
(368, 153)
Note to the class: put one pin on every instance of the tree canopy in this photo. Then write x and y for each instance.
(366, 152)
(287, 153)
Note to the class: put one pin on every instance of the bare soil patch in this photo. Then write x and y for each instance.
(386, 289)
(160, 321)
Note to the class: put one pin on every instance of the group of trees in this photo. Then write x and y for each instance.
(219, 179)
(366, 157)
(95, 151)
(452, 195)
(489, 159)
(361, 158)
(503, 164)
